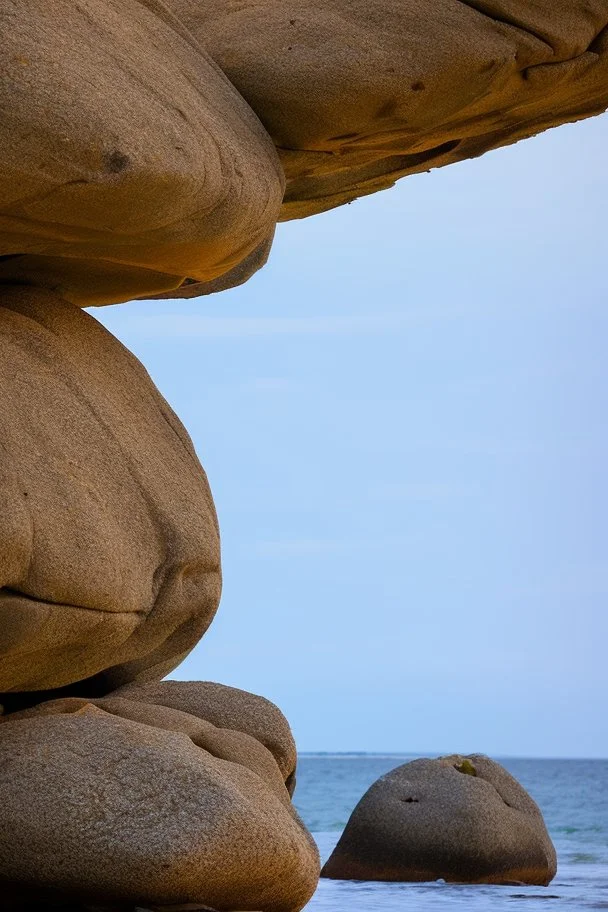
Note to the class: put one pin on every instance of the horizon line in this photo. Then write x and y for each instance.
(354, 754)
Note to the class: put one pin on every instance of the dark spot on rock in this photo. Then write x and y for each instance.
(411, 800)
(292, 21)
(116, 161)
(418, 87)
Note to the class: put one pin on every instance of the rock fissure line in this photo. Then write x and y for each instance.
(11, 591)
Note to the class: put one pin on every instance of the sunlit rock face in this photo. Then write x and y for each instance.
(128, 161)
(139, 139)
(109, 545)
(225, 707)
(115, 792)
(357, 93)
(139, 805)
(148, 148)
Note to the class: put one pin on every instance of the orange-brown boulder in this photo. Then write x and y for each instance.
(103, 809)
(128, 161)
(357, 93)
(109, 544)
(226, 707)
(224, 742)
(133, 160)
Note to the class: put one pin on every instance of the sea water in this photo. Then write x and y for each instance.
(572, 794)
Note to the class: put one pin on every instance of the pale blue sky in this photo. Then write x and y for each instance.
(403, 422)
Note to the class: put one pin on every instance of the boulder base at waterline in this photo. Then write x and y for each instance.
(463, 819)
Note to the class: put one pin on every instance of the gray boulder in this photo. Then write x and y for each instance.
(463, 819)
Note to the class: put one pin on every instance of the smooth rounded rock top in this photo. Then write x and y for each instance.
(225, 707)
(460, 819)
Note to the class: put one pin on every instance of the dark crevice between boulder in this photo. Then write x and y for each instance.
(90, 688)
(597, 45)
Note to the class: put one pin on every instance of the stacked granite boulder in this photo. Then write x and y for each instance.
(130, 800)
(148, 148)
(148, 145)
(110, 572)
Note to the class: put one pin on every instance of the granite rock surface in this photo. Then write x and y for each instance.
(109, 544)
(105, 809)
(358, 93)
(460, 819)
(148, 147)
(128, 161)
(225, 707)
(225, 743)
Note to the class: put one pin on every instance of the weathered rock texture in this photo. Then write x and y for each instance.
(109, 546)
(463, 819)
(157, 794)
(145, 148)
(127, 159)
(134, 163)
(143, 804)
(226, 707)
(226, 743)
(357, 93)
